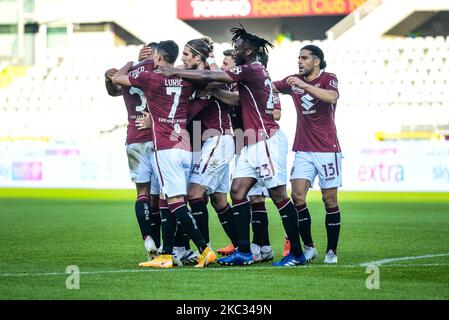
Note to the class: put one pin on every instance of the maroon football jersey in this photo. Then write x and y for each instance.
(235, 112)
(168, 102)
(315, 125)
(213, 114)
(256, 99)
(136, 102)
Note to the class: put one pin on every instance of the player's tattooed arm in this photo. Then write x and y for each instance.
(228, 97)
(196, 75)
(329, 96)
(121, 77)
(144, 122)
(113, 90)
(214, 85)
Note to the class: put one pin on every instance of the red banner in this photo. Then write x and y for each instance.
(226, 9)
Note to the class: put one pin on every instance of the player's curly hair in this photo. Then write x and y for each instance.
(262, 57)
(255, 42)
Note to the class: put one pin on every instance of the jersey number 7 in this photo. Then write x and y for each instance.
(177, 92)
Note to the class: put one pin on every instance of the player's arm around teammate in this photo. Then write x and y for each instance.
(210, 174)
(139, 147)
(115, 90)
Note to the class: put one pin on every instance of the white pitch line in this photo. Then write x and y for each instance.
(310, 266)
(384, 261)
(234, 268)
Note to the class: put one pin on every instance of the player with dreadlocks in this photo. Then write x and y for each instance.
(264, 157)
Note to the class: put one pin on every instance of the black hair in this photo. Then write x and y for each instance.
(228, 53)
(199, 47)
(169, 50)
(316, 51)
(152, 45)
(255, 42)
(262, 57)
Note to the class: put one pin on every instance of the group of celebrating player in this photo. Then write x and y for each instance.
(186, 124)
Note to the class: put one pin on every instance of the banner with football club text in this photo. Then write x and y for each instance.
(229, 9)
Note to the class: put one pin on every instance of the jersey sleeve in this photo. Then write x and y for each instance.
(276, 101)
(331, 83)
(139, 79)
(282, 86)
(240, 73)
(195, 106)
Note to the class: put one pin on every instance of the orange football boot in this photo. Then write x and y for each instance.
(226, 251)
(286, 250)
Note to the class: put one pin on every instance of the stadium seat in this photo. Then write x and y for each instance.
(400, 76)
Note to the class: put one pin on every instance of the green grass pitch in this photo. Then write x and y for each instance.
(44, 231)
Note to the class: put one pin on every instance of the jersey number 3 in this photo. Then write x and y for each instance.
(143, 106)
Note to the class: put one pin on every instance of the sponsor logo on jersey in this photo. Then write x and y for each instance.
(297, 90)
(307, 101)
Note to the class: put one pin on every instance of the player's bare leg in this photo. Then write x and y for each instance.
(300, 187)
(329, 197)
(219, 200)
(260, 247)
(220, 203)
(289, 218)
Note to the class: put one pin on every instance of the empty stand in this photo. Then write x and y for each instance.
(385, 85)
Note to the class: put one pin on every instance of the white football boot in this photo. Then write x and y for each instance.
(255, 251)
(190, 257)
(178, 253)
(310, 253)
(267, 253)
(261, 254)
(150, 248)
(330, 257)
